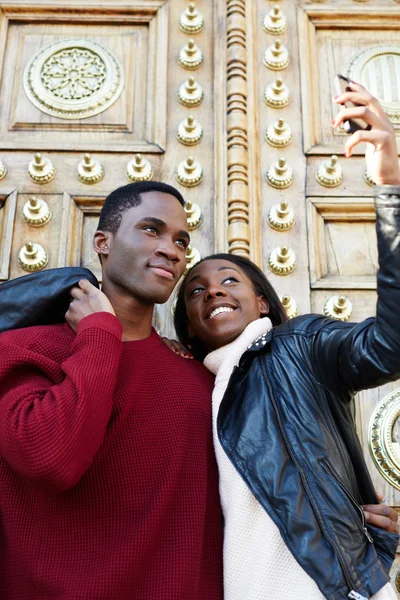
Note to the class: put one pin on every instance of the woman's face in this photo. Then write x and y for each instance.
(221, 302)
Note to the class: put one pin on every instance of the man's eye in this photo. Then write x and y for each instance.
(150, 228)
(182, 243)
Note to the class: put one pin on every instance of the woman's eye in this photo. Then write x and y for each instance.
(230, 279)
(195, 291)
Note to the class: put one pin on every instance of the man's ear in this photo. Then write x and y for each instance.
(264, 305)
(101, 242)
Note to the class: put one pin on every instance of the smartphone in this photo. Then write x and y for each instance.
(352, 125)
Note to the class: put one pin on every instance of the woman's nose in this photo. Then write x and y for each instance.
(214, 292)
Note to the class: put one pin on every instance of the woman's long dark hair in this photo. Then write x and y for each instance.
(261, 286)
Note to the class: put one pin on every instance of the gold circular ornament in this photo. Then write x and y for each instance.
(189, 172)
(33, 257)
(193, 214)
(90, 170)
(36, 212)
(378, 69)
(282, 261)
(192, 257)
(73, 79)
(190, 93)
(276, 56)
(277, 94)
(386, 453)
(281, 216)
(329, 172)
(190, 132)
(41, 170)
(279, 134)
(190, 57)
(290, 306)
(280, 175)
(3, 170)
(139, 169)
(191, 20)
(339, 308)
(275, 21)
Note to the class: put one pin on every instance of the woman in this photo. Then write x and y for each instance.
(292, 473)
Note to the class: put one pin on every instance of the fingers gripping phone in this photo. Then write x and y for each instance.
(352, 125)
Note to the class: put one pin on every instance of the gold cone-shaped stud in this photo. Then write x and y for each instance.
(191, 20)
(368, 179)
(3, 170)
(281, 216)
(280, 175)
(90, 170)
(275, 21)
(189, 172)
(279, 134)
(36, 212)
(190, 57)
(190, 93)
(41, 170)
(290, 306)
(139, 169)
(330, 172)
(189, 131)
(33, 257)
(282, 261)
(276, 56)
(277, 94)
(193, 214)
(339, 308)
(192, 257)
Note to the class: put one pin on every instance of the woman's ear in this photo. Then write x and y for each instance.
(264, 305)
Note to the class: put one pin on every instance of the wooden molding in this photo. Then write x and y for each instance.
(326, 212)
(237, 128)
(7, 215)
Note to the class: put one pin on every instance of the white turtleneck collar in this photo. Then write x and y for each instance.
(231, 353)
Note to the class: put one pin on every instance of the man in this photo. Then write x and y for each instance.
(109, 487)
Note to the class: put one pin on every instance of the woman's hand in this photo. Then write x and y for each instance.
(381, 154)
(177, 347)
(381, 516)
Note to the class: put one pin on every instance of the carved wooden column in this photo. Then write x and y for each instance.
(237, 129)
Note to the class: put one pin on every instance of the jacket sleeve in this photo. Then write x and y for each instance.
(351, 357)
(53, 416)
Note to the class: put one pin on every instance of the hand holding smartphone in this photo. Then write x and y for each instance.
(352, 125)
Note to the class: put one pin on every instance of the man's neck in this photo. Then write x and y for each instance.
(135, 316)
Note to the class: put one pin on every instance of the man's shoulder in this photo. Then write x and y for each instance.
(189, 368)
(38, 336)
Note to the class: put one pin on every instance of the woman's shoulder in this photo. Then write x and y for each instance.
(308, 325)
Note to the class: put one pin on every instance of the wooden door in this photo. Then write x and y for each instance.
(117, 79)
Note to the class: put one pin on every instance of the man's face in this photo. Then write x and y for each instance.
(147, 255)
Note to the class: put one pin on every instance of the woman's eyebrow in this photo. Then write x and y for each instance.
(228, 268)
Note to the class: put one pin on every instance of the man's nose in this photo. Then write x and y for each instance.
(169, 251)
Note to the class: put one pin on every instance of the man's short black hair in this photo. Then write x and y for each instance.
(128, 196)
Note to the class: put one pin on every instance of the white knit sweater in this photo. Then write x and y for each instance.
(257, 562)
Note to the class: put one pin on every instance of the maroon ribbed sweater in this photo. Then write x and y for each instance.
(108, 481)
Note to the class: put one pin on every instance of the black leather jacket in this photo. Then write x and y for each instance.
(285, 424)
